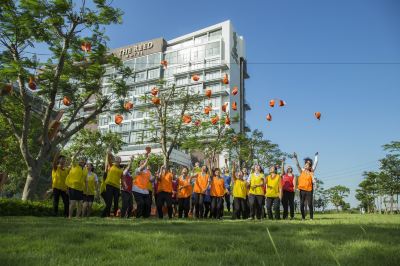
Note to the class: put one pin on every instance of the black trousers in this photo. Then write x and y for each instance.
(256, 205)
(161, 198)
(217, 204)
(275, 203)
(247, 207)
(228, 201)
(142, 204)
(198, 205)
(306, 196)
(111, 193)
(150, 199)
(207, 209)
(127, 204)
(288, 201)
(56, 199)
(183, 207)
(239, 206)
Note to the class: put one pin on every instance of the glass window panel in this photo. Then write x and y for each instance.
(183, 56)
(197, 53)
(213, 49)
(154, 60)
(215, 35)
(200, 39)
(171, 58)
(130, 63)
(141, 76)
(154, 73)
(141, 63)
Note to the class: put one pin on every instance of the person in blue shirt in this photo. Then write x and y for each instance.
(207, 204)
(227, 181)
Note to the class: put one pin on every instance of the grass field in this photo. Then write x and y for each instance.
(331, 239)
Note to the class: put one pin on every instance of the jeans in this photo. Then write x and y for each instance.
(306, 196)
(256, 205)
(275, 203)
(239, 206)
(127, 204)
(228, 201)
(56, 198)
(288, 201)
(183, 207)
(111, 193)
(142, 204)
(161, 198)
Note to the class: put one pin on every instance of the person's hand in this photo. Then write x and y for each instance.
(132, 158)
(295, 155)
(316, 154)
(283, 159)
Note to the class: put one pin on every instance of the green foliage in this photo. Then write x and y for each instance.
(155, 161)
(337, 194)
(16, 207)
(94, 145)
(60, 27)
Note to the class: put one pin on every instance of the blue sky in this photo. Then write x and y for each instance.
(305, 53)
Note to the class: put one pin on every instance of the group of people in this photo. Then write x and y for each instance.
(199, 192)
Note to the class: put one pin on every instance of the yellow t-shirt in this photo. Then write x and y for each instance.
(239, 189)
(58, 177)
(114, 176)
(91, 181)
(76, 177)
(254, 181)
(103, 187)
(273, 186)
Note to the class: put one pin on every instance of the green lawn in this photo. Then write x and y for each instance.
(331, 239)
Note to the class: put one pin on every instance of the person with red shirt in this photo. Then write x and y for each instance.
(126, 191)
(288, 182)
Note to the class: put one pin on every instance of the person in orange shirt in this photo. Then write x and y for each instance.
(305, 184)
(164, 191)
(140, 189)
(217, 192)
(184, 193)
(200, 187)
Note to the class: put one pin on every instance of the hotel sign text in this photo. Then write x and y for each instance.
(141, 49)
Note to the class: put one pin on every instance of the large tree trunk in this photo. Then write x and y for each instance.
(31, 182)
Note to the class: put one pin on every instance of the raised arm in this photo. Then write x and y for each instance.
(142, 167)
(234, 171)
(55, 160)
(73, 159)
(315, 162)
(283, 166)
(108, 160)
(297, 163)
(129, 165)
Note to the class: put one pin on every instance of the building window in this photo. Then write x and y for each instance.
(153, 74)
(215, 35)
(213, 75)
(197, 53)
(198, 65)
(200, 39)
(140, 90)
(126, 127)
(169, 72)
(141, 63)
(154, 60)
(171, 58)
(103, 120)
(181, 81)
(140, 76)
(182, 68)
(125, 138)
(213, 49)
(130, 64)
(183, 56)
(195, 89)
(213, 62)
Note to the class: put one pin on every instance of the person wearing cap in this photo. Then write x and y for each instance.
(288, 186)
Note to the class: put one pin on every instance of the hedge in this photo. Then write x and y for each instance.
(16, 207)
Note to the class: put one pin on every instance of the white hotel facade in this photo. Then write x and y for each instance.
(210, 53)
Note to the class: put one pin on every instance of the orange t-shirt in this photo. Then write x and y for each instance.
(305, 181)
(165, 183)
(186, 191)
(201, 183)
(217, 187)
(142, 179)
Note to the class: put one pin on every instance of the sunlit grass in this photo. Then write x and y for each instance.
(331, 239)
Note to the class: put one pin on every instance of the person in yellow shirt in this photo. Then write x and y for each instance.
(58, 175)
(239, 193)
(273, 193)
(75, 182)
(113, 184)
(91, 189)
(305, 184)
(256, 183)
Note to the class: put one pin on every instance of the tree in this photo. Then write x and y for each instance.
(320, 195)
(367, 191)
(94, 146)
(74, 69)
(337, 195)
(170, 106)
(390, 172)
